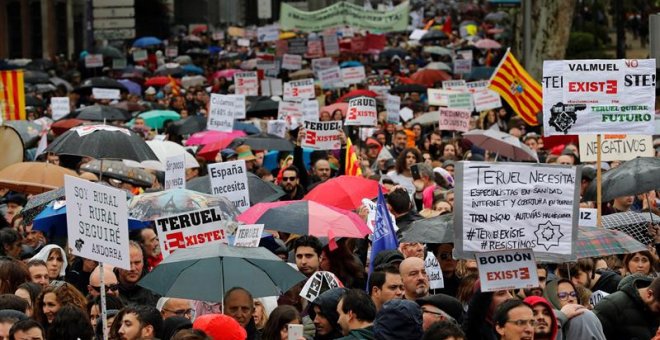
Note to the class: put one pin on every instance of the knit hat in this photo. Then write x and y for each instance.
(220, 327)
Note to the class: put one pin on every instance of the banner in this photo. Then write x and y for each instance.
(246, 83)
(59, 107)
(190, 229)
(322, 135)
(362, 111)
(504, 206)
(454, 119)
(229, 179)
(175, 172)
(393, 106)
(221, 113)
(507, 270)
(616, 147)
(345, 14)
(12, 95)
(291, 62)
(298, 90)
(353, 75)
(599, 96)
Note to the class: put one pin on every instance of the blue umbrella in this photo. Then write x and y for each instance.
(350, 63)
(147, 41)
(192, 69)
(250, 129)
(133, 87)
(215, 49)
(52, 222)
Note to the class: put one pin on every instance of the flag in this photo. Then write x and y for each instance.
(12, 95)
(173, 85)
(384, 237)
(446, 26)
(352, 162)
(518, 88)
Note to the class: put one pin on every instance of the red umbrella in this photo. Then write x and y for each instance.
(61, 126)
(209, 151)
(160, 81)
(428, 77)
(357, 93)
(347, 192)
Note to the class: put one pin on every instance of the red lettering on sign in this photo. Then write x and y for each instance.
(310, 137)
(609, 86)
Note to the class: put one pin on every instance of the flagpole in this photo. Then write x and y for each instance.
(599, 186)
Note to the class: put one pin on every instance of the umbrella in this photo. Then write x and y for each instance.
(260, 190)
(118, 170)
(164, 150)
(101, 113)
(59, 81)
(307, 218)
(350, 63)
(428, 118)
(487, 44)
(129, 106)
(38, 203)
(109, 52)
(160, 81)
(188, 125)
(36, 77)
(207, 137)
(301, 74)
(227, 74)
(480, 73)
(198, 51)
(633, 223)
(157, 118)
(153, 205)
(190, 81)
(33, 177)
(40, 65)
(287, 35)
(102, 142)
(437, 50)
(433, 36)
(29, 131)
(100, 82)
(210, 151)
(438, 229)
(133, 87)
(357, 93)
(496, 16)
(408, 88)
(146, 41)
(598, 242)
(207, 272)
(40, 88)
(347, 192)
(192, 69)
(183, 60)
(429, 77)
(63, 125)
(502, 143)
(263, 141)
(192, 38)
(633, 177)
(438, 65)
(391, 52)
(172, 69)
(261, 106)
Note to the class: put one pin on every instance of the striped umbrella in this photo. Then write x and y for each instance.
(597, 242)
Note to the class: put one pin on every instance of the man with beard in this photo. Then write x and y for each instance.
(546, 326)
(415, 280)
(149, 241)
(399, 142)
(129, 291)
(291, 184)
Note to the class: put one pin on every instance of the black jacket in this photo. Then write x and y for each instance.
(608, 282)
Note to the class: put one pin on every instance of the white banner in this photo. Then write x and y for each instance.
(248, 235)
(362, 111)
(353, 75)
(393, 106)
(246, 83)
(97, 222)
(507, 270)
(190, 229)
(100, 93)
(175, 172)
(59, 107)
(454, 119)
(616, 147)
(229, 179)
(291, 62)
(322, 135)
(298, 90)
(221, 113)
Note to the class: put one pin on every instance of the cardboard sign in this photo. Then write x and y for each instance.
(322, 135)
(588, 217)
(292, 62)
(291, 113)
(462, 66)
(507, 270)
(175, 172)
(393, 106)
(248, 235)
(486, 99)
(330, 43)
(434, 272)
(297, 46)
(229, 179)
(460, 101)
(59, 107)
(454, 119)
(298, 90)
(93, 60)
(100, 93)
(330, 77)
(319, 283)
(458, 85)
(140, 55)
(221, 113)
(268, 33)
(190, 229)
(504, 206)
(310, 110)
(599, 96)
(362, 111)
(97, 222)
(353, 75)
(172, 52)
(277, 128)
(246, 83)
(616, 147)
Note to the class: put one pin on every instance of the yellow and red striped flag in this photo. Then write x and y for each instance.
(518, 88)
(173, 85)
(352, 162)
(12, 95)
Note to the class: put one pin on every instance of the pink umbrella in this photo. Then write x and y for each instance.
(227, 74)
(487, 44)
(208, 137)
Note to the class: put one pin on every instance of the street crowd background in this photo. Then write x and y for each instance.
(323, 210)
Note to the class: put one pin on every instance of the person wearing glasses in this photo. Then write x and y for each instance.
(175, 307)
(440, 307)
(291, 184)
(111, 283)
(514, 320)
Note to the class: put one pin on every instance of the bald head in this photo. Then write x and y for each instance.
(109, 277)
(415, 280)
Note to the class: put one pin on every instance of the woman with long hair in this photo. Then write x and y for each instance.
(71, 322)
(13, 273)
(278, 323)
(641, 262)
(29, 291)
(402, 173)
(53, 298)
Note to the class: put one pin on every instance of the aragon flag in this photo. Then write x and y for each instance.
(12, 95)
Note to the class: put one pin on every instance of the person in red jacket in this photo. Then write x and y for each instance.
(546, 326)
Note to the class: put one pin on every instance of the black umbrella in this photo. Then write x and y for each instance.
(198, 51)
(408, 88)
(109, 52)
(29, 131)
(633, 177)
(102, 142)
(439, 229)
(263, 141)
(33, 101)
(169, 70)
(261, 106)
(188, 126)
(391, 52)
(100, 82)
(40, 65)
(100, 113)
(260, 190)
(434, 35)
(119, 170)
(36, 77)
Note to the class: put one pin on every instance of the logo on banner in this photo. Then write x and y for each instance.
(548, 235)
(563, 116)
(516, 87)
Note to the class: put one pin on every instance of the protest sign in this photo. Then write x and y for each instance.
(248, 235)
(477, 85)
(454, 119)
(330, 77)
(460, 101)
(298, 90)
(596, 297)
(507, 270)
(406, 114)
(140, 55)
(246, 83)
(310, 110)
(417, 34)
(291, 113)
(229, 179)
(598, 96)
(381, 90)
(237, 32)
(358, 44)
(60, 107)
(281, 47)
(322, 135)
(100, 93)
(94, 60)
(372, 207)
(462, 66)
(486, 99)
(588, 217)
(119, 64)
(243, 42)
(457, 85)
(175, 172)
(221, 113)
(314, 48)
(297, 46)
(239, 106)
(271, 87)
(393, 106)
(277, 128)
(322, 63)
(171, 52)
(266, 65)
(319, 283)
(353, 75)
(616, 147)
(330, 43)
(362, 111)
(218, 35)
(190, 229)
(503, 206)
(436, 281)
(439, 97)
(97, 222)
(268, 33)
(291, 62)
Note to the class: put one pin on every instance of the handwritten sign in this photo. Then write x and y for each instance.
(277, 128)
(393, 106)
(94, 60)
(462, 66)
(505, 206)
(221, 113)
(439, 97)
(486, 100)
(229, 179)
(292, 62)
(319, 283)
(362, 111)
(454, 119)
(596, 297)
(271, 87)
(291, 113)
(60, 107)
(298, 90)
(175, 172)
(458, 85)
(246, 83)
(588, 217)
(460, 101)
(248, 235)
(140, 55)
(100, 93)
(353, 75)
(433, 270)
(190, 229)
(97, 222)
(616, 147)
(322, 135)
(506, 270)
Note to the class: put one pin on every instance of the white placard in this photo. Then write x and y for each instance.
(291, 113)
(486, 99)
(268, 33)
(462, 66)
(243, 42)
(100, 93)
(298, 90)
(353, 75)
(434, 272)
(507, 270)
(60, 107)
(221, 113)
(97, 222)
(271, 87)
(596, 297)
(322, 135)
(330, 43)
(381, 90)
(503, 206)
(277, 128)
(406, 114)
(454, 119)
(246, 83)
(191, 229)
(458, 85)
(140, 55)
(175, 172)
(291, 62)
(393, 106)
(172, 52)
(322, 63)
(239, 107)
(93, 60)
(588, 217)
(439, 97)
(119, 64)
(599, 96)
(248, 235)
(330, 77)
(310, 110)
(417, 34)
(616, 147)
(362, 111)
(229, 179)
(474, 86)
(460, 101)
(319, 283)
